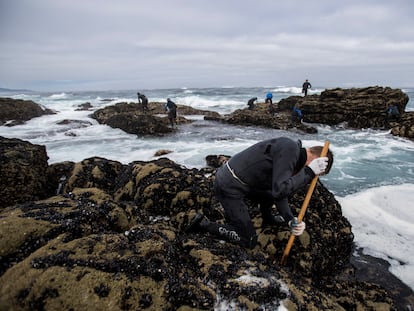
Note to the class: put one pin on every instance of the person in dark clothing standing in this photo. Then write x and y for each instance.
(250, 103)
(171, 108)
(143, 100)
(267, 173)
(305, 86)
(269, 101)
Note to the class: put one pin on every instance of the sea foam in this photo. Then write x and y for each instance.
(382, 221)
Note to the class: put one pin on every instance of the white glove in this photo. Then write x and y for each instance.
(318, 165)
(297, 228)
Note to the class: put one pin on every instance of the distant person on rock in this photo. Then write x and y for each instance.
(251, 104)
(269, 97)
(393, 114)
(266, 173)
(305, 86)
(143, 100)
(297, 115)
(171, 108)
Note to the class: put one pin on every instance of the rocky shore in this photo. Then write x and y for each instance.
(102, 235)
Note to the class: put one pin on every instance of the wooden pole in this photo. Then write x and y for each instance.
(304, 207)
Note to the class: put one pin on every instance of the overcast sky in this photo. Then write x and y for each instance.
(63, 45)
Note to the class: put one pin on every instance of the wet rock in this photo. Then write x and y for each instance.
(404, 127)
(23, 169)
(158, 108)
(84, 106)
(162, 152)
(130, 118)
(111, 238)
(164, 188)
(75, 123)
(17, 111)
(356, 107)
(260, 116)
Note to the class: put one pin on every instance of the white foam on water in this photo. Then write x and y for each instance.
(382, 221)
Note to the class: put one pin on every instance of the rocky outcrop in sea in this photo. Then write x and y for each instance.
(359, 108)
(130, 117)
(17, 111)
(101, 235)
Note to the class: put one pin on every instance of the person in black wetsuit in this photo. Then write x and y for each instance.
(250, 103)
(171, 108)
(143, 100)
(267, 173)
(305, 86)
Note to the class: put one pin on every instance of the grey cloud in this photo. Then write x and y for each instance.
(208, 43)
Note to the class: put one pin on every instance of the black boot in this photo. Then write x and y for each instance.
(195, 223)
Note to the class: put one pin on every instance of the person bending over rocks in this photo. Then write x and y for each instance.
(143, 100)
(171, 108)
(267, 172)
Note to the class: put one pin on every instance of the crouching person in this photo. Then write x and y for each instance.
(267, 173)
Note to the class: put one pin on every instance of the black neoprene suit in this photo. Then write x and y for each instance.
(267, 172)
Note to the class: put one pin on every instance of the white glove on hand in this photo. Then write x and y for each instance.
(297, 228)
(318, 165)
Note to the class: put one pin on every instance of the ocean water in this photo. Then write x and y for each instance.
(372, 177)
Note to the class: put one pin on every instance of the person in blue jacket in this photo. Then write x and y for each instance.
(272, 110)
(267, 173)
(297, 115)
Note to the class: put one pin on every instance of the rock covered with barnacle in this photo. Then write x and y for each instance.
(108, 236)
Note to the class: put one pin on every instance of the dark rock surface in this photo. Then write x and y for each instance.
(17, 111)
(370, 269)
(355, 107)
(112, 239)
(23, 168)
(84, 106)
(260, 116)
(405, 126)
(130, 118)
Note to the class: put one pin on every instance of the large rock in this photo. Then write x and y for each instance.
(112, 239)
(183, 110)
(17, 111)
(23, 168)
(260, 116)
(130, 118)
(356, 107)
